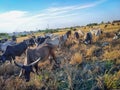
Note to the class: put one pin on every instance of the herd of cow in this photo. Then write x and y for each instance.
(45, 47)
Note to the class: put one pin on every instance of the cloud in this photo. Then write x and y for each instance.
(54, 16)
(74, 7)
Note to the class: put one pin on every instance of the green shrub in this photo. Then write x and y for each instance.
(112, 81)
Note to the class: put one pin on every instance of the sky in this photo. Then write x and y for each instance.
(30, 15)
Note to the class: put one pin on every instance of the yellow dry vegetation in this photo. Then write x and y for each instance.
(76, 58)
(115, 54)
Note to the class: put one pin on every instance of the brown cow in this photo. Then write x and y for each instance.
(42, 52)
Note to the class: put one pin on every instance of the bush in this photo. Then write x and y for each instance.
(112, 81)
(23, 35)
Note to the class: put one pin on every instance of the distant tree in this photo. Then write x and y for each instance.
(4, 35)
(92, 24)
(108, 22)
(102, 22)
(23, 35)
(71, 28)
(116, 21)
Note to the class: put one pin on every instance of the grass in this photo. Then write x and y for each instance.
(112, 54)
(112, 81)
(76, 72)
(76, 59)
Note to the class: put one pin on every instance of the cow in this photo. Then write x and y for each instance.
(81, 33)
(6, 44)
(88, 38)
(13, 51)
(14, 38)
(54, 41)
(27, 68)
(4, 40)
(32, 54)
(76, 35)
(49, 35)
(96, 32)
(68, 33)
(30, 42)
(41, 40)
(116, 35)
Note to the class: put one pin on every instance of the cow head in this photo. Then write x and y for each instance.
(27, 69)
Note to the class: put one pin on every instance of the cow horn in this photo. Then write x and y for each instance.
(32, 64)
(18, 64)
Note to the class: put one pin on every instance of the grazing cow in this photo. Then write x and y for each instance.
(27, 68)
(49, 35)
(96, 32)
(6, 44)
(63, 39)
(88, 38)
(30, 42)
(32, 54)
(81, 33)
(41, 40)
(68, 33)
(116, 36)
(76, 35)
(14, 38)
(13, 51)
(54, 41)
(4, 40)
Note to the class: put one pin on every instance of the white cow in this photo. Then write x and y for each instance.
(96, 32)
(54, 41)
(116, 36)
(49, 35)
(57, 41)
(81, 33)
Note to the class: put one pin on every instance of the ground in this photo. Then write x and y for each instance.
(82, 67)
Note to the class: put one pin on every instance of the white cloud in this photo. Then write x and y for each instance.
(54, 16)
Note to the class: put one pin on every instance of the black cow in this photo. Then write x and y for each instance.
(13, 51)
(76, 35)
(14, 38)
(40, 40)
(68, 33)
(3, 40)
(30, 42)
(88, 38)
(27, 68)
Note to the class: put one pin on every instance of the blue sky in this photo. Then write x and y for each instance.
(26, 15)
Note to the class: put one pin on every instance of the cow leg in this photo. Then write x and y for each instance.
(53, 55)
(36, 68)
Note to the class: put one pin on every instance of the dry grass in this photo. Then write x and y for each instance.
(90, 51)
(112, 54)
(76, 59)
(74, 47)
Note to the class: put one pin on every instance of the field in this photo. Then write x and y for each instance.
(82, 67)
